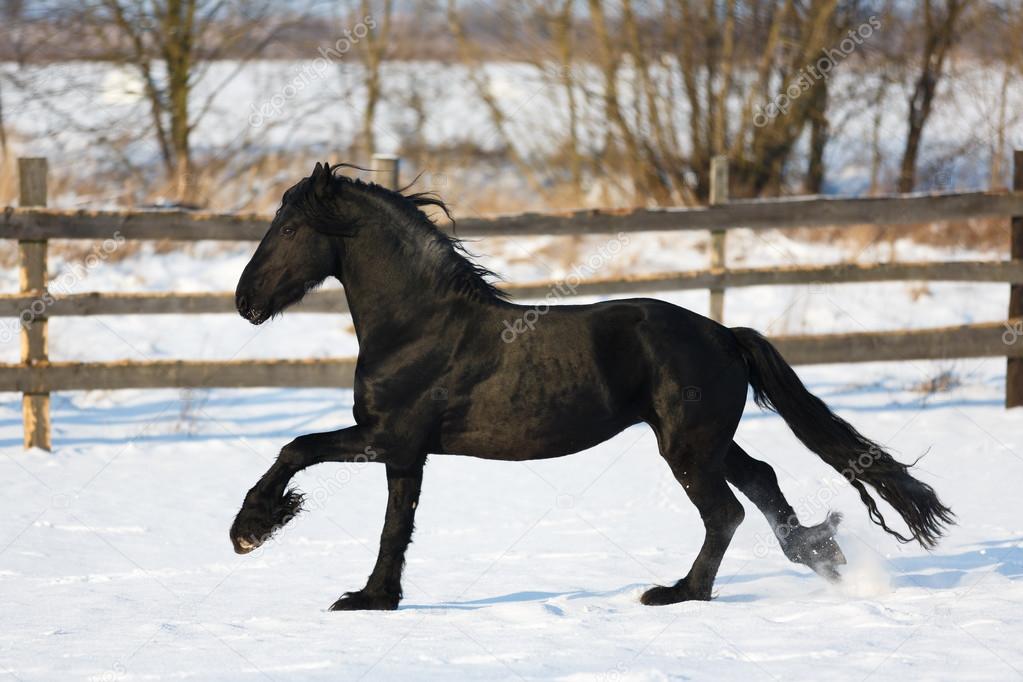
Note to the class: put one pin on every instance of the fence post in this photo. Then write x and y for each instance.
(718, 196)
(1014, 368)
(388, 167)
(35, 407)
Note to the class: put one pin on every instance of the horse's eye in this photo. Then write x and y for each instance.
(287, 230)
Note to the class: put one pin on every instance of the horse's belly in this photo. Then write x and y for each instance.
(553, 392)
(531, 431)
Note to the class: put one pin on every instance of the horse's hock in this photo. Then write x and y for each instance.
(31, 224)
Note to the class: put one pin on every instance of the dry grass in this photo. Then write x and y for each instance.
(943, 382)
(982, 234)
(474, 182)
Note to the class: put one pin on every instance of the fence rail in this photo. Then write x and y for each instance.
(967, 341)
(39, 224)
(333, 301)
(33, 225)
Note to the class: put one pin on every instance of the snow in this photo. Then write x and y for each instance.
(115, 562)
(268, 106)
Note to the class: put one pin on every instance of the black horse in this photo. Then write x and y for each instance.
(437, 374)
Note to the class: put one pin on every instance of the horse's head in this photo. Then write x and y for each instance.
(297, 253)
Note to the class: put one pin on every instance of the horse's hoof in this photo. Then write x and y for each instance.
(366, 601)
(825, 559)
(245, 545)
(679, 592)
(257, 522)
(816, 548)
(828, 570)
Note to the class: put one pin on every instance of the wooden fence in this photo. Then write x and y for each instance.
(31, 224)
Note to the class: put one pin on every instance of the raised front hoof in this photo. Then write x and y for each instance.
(679, 592)
(366, 601)
(816, 548)
(258, 521)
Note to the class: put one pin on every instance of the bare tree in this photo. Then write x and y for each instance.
(171, 43)
(609, 56)
(820, 131)
(940, 27)
(23, 36)
(469, 54)
(676, 69)
(11, 13)
(775, 50)
(1005, 21)
(764, 149)
(374, 49)
(559, 19)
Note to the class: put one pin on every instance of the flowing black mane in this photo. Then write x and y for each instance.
(444, 257)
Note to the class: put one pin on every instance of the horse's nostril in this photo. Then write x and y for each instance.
(242, 303)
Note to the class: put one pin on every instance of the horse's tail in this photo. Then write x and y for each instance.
(861, 460)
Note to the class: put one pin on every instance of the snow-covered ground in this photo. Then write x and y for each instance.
(115, 562)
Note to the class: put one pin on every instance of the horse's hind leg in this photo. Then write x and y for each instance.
(812, 546)
(700, 468)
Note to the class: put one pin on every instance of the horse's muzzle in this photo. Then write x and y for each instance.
(253, 314)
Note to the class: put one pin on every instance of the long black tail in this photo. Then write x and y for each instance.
(861, 460)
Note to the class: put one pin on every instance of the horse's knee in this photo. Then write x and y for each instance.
(294, 454)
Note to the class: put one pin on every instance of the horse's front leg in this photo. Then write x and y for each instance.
(383, 588)
(269, 504)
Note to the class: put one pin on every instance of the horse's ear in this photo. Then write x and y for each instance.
(321, 178)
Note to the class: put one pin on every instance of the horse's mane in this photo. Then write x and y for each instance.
(469, 276)
(449, 260)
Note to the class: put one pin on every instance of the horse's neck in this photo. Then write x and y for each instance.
(385, 291)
